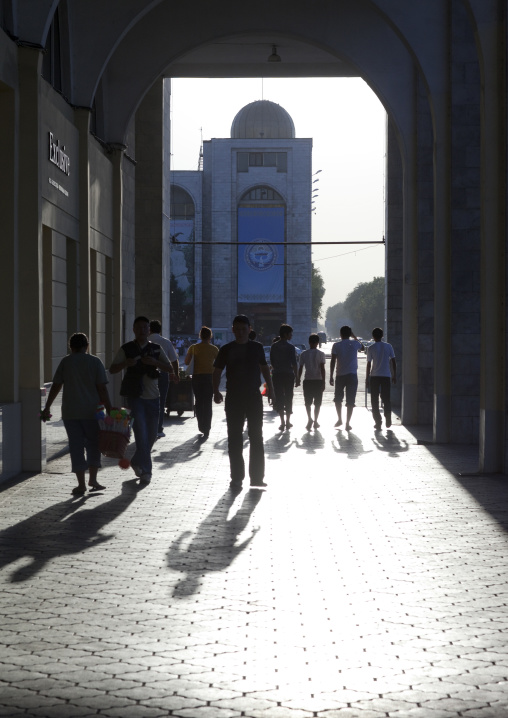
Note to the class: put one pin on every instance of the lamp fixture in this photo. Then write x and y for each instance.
(274, 57)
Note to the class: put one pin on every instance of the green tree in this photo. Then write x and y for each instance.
(365, 306)
(318, 292)
(336, 318)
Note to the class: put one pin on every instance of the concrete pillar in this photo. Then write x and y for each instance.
(394, 251)
(117, 156)
(82, 121)
(31, 339)
(9, 249)
(425, 258)
(409, 372)
(442, 258)
(152, 246)
(442, 278)
(493, 238)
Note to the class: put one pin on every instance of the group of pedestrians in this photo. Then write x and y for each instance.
(381, 373)
(84, 381)
(149, 362)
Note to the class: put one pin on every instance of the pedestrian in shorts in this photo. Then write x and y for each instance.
(313, 360)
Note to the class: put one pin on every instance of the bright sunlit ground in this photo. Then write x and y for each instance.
(368, 579)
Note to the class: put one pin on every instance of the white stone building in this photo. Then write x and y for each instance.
(250, 206)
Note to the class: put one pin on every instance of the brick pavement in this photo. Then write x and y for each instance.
(368, 580)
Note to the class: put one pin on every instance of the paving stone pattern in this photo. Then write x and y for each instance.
(367, 580)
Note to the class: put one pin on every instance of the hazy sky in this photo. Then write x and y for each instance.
(347, 124)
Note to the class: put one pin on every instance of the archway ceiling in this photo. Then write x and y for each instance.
(128, 44)
(247, 56)
(190, 34)
(335, 37)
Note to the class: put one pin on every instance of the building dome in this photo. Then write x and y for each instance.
(262, 120)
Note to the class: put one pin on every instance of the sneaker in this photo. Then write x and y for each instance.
(145, 478)
(257, 483)
(236, 485)
(137, 470)
(349, 427)
(160, 434)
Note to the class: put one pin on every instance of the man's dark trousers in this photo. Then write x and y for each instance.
(203, 395)
(238, 408)
(163, 393)
(380, 384)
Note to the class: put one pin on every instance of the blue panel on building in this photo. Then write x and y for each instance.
(261, 263)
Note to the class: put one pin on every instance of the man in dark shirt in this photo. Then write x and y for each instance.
(243, 360)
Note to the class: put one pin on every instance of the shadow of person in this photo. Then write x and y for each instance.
(350, 444)
(180, 454)
(311, 442)
(277, 445)
(270, 416)
(390, 444)
(213, 547)
(63, 528)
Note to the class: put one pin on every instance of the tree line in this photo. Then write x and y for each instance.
(363, 309)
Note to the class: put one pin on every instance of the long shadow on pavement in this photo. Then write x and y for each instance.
(350, 444)
(311, 442)
(390, 443)
(63, 528)
(489, 490)
(186, 451)
(213, 547)
(277, 445)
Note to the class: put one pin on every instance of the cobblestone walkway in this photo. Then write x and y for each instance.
(368, 580)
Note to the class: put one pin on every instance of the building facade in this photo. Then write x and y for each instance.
(251, 205)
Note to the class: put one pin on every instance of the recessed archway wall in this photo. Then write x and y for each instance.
(438, 69)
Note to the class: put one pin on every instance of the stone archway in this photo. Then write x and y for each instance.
(435, 67)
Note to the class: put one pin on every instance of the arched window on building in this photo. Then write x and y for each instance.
(182, 287)
(261, 222)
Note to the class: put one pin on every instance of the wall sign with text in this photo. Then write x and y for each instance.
(58, 156)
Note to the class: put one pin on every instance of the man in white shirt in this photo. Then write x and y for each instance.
(313, 360)
(381, 366)
(345, 354)
(155, 336)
